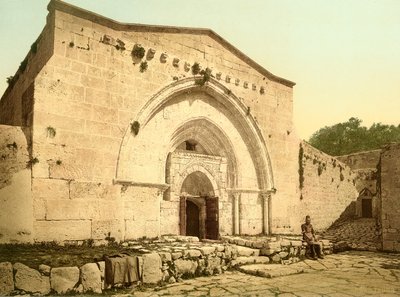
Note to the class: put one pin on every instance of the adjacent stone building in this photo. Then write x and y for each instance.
(126, 130)
(378, 183)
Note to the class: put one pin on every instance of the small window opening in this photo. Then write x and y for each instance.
(190, 146)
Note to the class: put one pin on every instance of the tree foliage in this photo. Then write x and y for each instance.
(350, 137)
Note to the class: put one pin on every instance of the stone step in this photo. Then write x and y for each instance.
(271, 270)
(250, 260)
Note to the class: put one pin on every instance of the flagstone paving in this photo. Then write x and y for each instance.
(338, 275)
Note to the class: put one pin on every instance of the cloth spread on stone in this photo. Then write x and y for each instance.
(121, 269)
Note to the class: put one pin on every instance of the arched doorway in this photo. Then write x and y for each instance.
(198, 207)
(192, 219)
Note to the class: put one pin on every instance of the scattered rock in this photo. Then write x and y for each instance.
(187, 267)
(6, 278)
(176, 255)
(276, 258)
(206, 250)
(91, 278)
(165, 257)
(64, 279)
(44, 269)
(283, 255)
(247, 252)
(192, 253)
(30, 280)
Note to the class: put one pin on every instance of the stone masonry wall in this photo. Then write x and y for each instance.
(390, 197)
(16, 104)
(327, 188)
(88, 93)
(364, 165)
(15, 185)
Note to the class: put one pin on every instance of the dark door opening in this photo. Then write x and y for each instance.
(192, 219)
(212, 221)
(366, 208)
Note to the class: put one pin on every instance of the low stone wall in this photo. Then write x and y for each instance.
(160, 261)
(285, 250)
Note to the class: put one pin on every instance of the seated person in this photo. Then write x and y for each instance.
(309, 237)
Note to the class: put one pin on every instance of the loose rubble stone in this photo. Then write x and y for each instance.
(187, 267)
(152, 268)
(6, 278)
(258, 244)
(266, 252)
(165, 257)
(30, 280)
(283, 255)
(276, 258)
(206, 250)
(247, 252)
(44, 269)
(64, 279)
(192, 253)
(176, 255)
(91, 278)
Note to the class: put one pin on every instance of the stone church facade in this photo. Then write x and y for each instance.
(125, 131)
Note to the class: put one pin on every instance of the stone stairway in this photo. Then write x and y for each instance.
(356, 234)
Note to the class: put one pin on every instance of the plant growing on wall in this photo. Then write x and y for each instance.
(143, 66)
(23, 65)
(205, 77)
(138, 51)
(196, 68)
(320, 169)
(71, 44)
(32, 162)
(34, 47)
(58, 162)
(301, 167)
(51, 132)
(12, 145)
(10, 79)
(135, 126)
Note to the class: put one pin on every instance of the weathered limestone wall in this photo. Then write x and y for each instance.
(361, 160)
(365, 166)
(16, 104)
(390, 197)
(15, 185)
(90, 91)
(327, 191)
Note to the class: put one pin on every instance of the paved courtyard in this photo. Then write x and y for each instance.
(345, 274)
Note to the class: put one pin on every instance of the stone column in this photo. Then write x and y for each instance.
(270, 213)
(236, 213)
(266, 198)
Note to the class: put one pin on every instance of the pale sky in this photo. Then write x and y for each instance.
(344, 55)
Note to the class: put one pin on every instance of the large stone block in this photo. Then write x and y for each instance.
(247, 252)
(87, 190)
(64, 279)
(30, 280)
(6, 278)
(62, 230)
(185, 267)
(152, 268)
(91, 278)
(103, 228)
